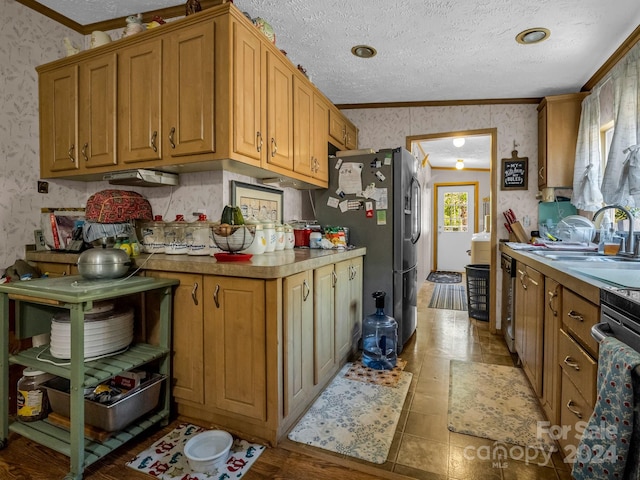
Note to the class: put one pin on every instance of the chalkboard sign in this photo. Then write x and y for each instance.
(514, 172)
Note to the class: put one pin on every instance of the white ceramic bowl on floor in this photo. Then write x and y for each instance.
(208, 451)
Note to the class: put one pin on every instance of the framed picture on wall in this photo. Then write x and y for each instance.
(257, 201)
(514, 172)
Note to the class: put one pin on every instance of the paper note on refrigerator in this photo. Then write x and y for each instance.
(350, 178)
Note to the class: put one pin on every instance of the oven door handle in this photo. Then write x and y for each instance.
(601, 330)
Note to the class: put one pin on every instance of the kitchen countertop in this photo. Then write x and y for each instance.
(572, 273)
(265, 266)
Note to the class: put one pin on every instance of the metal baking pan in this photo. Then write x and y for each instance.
(113, 416)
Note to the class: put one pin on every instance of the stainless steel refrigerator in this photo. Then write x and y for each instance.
(377, 196)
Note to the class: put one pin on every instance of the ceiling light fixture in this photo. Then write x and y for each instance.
(459, 164)
(458, 141)
(533, 35)
(364, 51)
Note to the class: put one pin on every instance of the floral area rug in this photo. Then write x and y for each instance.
(450, 297)
(444, 277)
(388, 378)
(495, 402)
(165, 458)
(354, 418)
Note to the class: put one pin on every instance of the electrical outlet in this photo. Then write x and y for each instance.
(43, 187)
(526, 221)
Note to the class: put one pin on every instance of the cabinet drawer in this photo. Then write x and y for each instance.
(578, 316)
(578, 365)
(574, 415)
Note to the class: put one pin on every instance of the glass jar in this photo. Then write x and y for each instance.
(32, 402)
(198, 237)
(152, 233)
(175, 239)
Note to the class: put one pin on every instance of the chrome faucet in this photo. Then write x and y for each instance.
(629, 250)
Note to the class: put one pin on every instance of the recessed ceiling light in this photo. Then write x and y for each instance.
(533, 35)
(364, 51)
(459, 164)
(458, 141)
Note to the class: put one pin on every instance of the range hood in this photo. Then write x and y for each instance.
(142, 178)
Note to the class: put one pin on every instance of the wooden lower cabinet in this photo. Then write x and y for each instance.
(551, 372)
(529, 315)
(250, 355)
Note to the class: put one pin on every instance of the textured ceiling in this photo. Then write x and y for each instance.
(428, 50)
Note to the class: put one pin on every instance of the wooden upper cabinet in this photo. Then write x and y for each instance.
(189, 91)
(279, 108)
(140, 102)
(342, 133)
(558, 122)
(310, 124)
(97, 112)
(58, 90)
(248, 138)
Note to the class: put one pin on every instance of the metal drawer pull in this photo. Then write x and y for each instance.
(334, 278)
(305, 291)
(258, 141)
(552, 295)
(572, 363)
(84, 152)
(193, 293)
(153, 141)
(172, 133)
(575, 412)
(215, 296)
(274, 147)
(71, 149)
(575, 315)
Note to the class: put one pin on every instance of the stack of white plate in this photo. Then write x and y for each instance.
(105, 331)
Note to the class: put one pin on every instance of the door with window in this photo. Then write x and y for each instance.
(456, 208)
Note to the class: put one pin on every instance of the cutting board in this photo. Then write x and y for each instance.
(622, 277)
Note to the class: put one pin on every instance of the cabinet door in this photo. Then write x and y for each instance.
(337, 128)
(58, 90)
(188, 337)
(542, 147)
(97, 114)
(247, 105)
(298, 340)
(551, 367)
(348, 308)
(533, 328)
(188, 70)
(320, 150)
(303, 128)
(351, 136)
(520, 300)
(235, 332)
(279, 112)
(140, 102)
(323, 328)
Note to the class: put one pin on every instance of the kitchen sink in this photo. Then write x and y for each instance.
(585, 257)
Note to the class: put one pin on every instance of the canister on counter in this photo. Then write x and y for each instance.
(32, 403)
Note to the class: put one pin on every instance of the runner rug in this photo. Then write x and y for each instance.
(444, 277)
(354, 418)
(495, 402)
(165, 458)
(451, 297)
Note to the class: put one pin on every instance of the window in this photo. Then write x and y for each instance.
(606, 135)
(456, 208)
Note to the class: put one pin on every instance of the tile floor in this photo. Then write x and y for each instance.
(423, 447)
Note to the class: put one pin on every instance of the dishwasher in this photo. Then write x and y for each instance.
(508, 266)
(619, 316)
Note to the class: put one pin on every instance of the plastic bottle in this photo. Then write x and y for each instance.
(32, 402)
(380, 338)
(605, 232)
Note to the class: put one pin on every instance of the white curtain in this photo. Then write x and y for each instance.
(587, 174)
(621, 180)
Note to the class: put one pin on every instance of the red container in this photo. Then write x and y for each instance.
(301, 236)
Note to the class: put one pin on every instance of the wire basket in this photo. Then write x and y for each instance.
(478, 291)
(233, 238)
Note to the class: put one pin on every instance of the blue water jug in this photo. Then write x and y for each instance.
(379, 337)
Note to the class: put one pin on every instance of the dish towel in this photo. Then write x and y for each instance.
(609, 447)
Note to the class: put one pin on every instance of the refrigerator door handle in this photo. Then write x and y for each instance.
(415, 209)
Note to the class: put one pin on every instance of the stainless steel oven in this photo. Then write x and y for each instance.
(508, 266)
